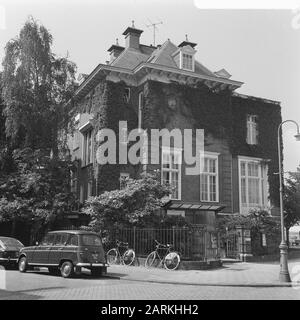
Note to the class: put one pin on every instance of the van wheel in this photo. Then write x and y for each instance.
(23, 264)
(67, 269)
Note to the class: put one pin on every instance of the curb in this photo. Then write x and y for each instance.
(220, 284)
(211, 284)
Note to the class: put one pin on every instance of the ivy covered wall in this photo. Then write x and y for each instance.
(108, 106)
(222, 116)
(269, 117)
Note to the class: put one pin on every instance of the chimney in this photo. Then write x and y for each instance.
(115, 50)
(187, 43)
(132, 37)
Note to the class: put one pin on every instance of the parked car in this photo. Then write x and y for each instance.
(66, 252)
(9, 251)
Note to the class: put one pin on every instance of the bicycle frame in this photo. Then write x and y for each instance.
(118, 245)
(167, 250)
(121, 254)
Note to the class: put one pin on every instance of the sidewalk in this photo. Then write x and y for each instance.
(241, 274)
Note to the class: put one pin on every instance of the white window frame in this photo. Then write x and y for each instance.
(84, 147)
(140, 109)
(177, 151)
(76, 135)
(89, 188)
(81, 193)
(264, 202)
(181, 61)
(252, 129)
(213, 156)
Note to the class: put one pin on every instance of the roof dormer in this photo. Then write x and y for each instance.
(184, 57)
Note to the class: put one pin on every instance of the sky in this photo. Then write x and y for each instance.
(258, 47)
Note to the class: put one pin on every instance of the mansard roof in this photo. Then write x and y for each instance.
(137, 62)
(130, 58)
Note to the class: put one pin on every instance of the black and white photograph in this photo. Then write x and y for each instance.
(149, 153)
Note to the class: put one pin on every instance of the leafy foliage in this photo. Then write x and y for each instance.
(36, 190)
(35, 86)
(137, 204)
(292, 199)
(257, 221)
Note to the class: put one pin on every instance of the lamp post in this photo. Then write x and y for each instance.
(284, 275)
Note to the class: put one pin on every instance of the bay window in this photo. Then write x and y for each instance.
(253, 184)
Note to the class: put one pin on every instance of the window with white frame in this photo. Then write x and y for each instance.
(171, 170)
(187, 61)
(141, 103)
(90, 189)
(87, 147)
(209, 179)
(76, 135)
(252, 130)
(253, 184)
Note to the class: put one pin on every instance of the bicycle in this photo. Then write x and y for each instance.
(114, 255)
(163, 255)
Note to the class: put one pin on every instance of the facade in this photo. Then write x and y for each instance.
(165, 87)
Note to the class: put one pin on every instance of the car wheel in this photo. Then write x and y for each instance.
(67, 269)
(23, 264)
(96, 272)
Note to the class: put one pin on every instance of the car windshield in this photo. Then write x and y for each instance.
(10, 242)
(90, 240)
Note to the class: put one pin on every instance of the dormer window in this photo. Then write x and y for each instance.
(187, 61)
(184, 57)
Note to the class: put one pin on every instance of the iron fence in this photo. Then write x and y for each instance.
(195, 242)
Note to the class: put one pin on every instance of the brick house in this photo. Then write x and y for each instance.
(165, 86)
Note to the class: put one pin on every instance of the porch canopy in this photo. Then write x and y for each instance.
(186, 205)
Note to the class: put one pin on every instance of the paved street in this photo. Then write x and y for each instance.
(36, 285)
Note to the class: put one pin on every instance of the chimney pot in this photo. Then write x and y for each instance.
(115, 50)
(132, 37)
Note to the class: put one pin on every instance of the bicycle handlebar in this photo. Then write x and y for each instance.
(120, 243)
(158, 244)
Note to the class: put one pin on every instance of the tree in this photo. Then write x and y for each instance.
(35, 85)
(291, 198)
(137, 204)
(36, 192)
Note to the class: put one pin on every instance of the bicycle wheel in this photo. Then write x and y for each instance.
(112, 256)
(152, 260)
(128, 257)
(171, 261)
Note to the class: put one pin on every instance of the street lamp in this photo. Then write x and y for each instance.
(284, 275)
